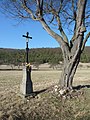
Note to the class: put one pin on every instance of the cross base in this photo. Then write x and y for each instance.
(26, 86)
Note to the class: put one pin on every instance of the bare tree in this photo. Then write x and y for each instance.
(58, 15)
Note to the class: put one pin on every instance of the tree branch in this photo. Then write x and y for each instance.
(85, 40)
(80, 22)
(56, 14)
(80, 13)
(58, 38)
(30, 12)
(61, 29)
(51, 32)
(39, 7)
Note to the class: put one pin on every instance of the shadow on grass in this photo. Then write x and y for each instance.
(35, 93)
(75, 87)
(81, 86)
(40, 91)
(43, 90)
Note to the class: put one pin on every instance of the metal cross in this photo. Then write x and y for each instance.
(27, 36)
(27, 49)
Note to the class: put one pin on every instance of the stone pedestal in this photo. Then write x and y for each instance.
(26, 86)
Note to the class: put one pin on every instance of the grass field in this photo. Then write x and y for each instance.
(46, 105)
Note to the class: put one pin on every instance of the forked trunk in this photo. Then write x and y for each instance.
(71, 61)
(68, 73)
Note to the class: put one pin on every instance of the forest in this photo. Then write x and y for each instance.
(37, 56)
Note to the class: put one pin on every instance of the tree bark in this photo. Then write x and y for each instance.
(71, 61)
(69, 70)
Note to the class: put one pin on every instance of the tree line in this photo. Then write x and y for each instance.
(37, 56)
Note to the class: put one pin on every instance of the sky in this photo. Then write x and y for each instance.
(11, 35)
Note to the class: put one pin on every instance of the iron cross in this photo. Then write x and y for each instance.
(27, 36)
(27, 49)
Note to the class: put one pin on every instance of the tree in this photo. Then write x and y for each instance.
(74, 14)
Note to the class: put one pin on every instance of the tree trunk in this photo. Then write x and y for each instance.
(71, 61)
(68, 74)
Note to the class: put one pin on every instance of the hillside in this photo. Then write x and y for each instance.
(37, 56)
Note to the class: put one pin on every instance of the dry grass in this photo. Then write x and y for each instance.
(45, 106)
(82, 77)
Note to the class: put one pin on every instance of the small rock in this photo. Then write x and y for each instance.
(64, 97)
(38, 96)
(62, 92)
(55, 88)
(27, 100)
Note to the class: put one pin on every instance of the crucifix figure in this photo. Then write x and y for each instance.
(26, 87)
